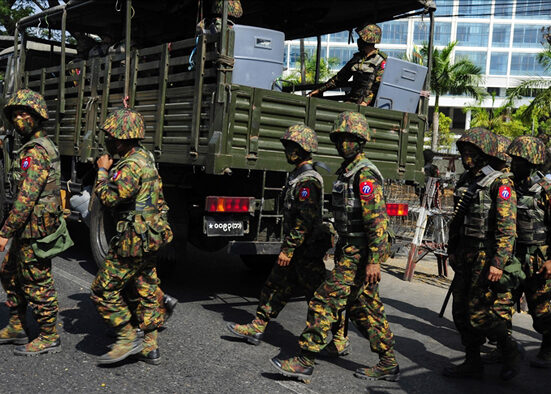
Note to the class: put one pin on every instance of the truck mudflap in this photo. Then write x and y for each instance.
(254, 248)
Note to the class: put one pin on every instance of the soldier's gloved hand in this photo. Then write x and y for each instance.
(495, 274)
(372, 273)
(283, 260)
(3, 243)
(105, 161)
(546, 269)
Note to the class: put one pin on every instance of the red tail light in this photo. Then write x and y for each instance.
(229, 204)
(397, 209)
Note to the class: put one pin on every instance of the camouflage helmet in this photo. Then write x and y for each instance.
(234, 8)
(529, 148)
(483, 139)
(303, 135)
(27, 98)
(124, 124)
(370, 33)
(502, 145)
(350, 122)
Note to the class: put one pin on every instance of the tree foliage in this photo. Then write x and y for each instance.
(324, 74)
(445, 135)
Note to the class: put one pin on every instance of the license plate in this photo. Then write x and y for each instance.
(222, 227)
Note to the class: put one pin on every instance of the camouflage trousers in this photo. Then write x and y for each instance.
(303, 273)
(112, 280)
(28, 281)
(477, 308)
(536, 288)
(132, 299)
(345, 289)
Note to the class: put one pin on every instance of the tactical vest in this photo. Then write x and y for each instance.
(347, 207)
(45, 218)
(531, 226)
(307, 172)
(364, 75)
(142, 226)
(476, 220)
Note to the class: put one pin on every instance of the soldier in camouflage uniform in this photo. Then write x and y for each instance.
(36, 213)
(300, 262)
(366, 69)
(532, 247)
(480, 247)
(361, 222)
(503, 160)
(235, 11)
(133, 189)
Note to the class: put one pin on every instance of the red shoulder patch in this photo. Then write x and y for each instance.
(383, 64)
(26, 163)
(505, 192)
(366, 190)
(116, 175)
(304, 194)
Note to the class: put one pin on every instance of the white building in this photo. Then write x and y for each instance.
(503, 37)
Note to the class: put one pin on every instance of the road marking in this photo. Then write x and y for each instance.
(295, 387)
(72, 278)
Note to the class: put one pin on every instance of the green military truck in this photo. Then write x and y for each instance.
(216, 142)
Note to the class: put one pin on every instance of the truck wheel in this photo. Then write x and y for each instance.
(261, 263)
(102, 230)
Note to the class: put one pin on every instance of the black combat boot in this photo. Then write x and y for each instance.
(543, 359)
(169, 304)
(300, 367)
(472, 367)
(513, 353)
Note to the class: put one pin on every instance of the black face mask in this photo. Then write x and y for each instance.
(111, 146)
(294, 154)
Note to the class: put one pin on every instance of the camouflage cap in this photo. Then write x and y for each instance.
(124, 124)
(234, 8)
(529, 148)
(27, 98)
(303, 135)
(350, 122)
(370, 33)
(502, 145)
(482, 138)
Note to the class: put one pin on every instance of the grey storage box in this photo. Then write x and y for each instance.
(258, 56)
(401, 85)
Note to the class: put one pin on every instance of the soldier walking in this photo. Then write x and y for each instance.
(480, 248)
(36, 215)
(300, 262)
(532, 247)
(133, 189)
(361, 222)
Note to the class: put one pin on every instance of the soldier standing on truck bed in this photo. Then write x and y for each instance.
(366, 68)
(480, 248)
(532, 247)
(33, 222)
(300, 262)
(133, 189)
(361, 221)
(235, 10)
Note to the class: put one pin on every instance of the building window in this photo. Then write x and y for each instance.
(474, 8)
(444, 8)
(501, 36)
(526, 64)
(343, 54)
(294, 55)
(527, 36)
(472, 34)
(397, 53)
(503, 9)
(395, 32)
(533, 9)
(498, 63)
(442, 33)
(477, 58)
(341, 36)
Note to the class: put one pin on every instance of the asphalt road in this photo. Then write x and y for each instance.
(199, 355)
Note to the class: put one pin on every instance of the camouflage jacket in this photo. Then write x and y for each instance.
(133, 188)
(495, 205)
(368, 189)
(302, 210)
(366, 72)
(36, 211)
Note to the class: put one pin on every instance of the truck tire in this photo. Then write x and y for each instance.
(102, 230)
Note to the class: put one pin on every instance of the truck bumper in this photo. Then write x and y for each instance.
(253, 248)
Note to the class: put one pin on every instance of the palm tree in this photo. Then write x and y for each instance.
(459, 77)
